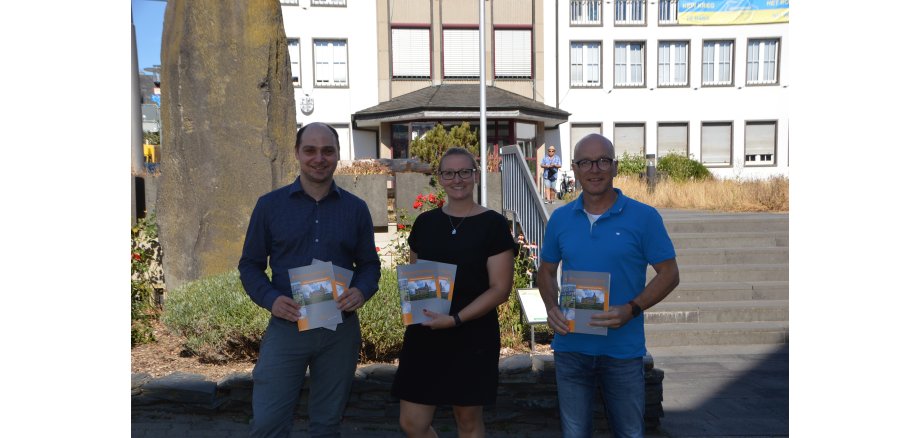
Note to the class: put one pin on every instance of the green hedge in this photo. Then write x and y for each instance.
(216, 318)
(681, 168)
(219, 322)
(631, 164)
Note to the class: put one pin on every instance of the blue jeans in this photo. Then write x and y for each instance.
(622, 383)
(278, 377)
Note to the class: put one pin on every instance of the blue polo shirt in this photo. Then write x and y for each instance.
(623, 241)
(289, 229)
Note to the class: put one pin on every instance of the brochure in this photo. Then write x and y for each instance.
(581, 295)
(425, 285)
(314, 288)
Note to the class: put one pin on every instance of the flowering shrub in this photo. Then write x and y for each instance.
(399, 247)
(146, 279)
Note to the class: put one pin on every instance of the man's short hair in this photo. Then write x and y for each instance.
(335, 134)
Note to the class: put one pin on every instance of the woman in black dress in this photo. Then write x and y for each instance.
(453, 359)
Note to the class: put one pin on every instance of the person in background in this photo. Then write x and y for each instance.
(453, 359)
(603, 230)
(311, 218)
(550, 164)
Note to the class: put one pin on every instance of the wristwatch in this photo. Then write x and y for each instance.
(636, 310)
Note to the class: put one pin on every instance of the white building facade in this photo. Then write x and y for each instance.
(628, 70)
(333, 48)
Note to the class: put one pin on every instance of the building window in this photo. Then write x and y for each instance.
(717, 62)
(579, 131)
(327, 2)
(294, 52)
(761, 61)
(586, 64)
(629, 138)
(667, 11)
(759, 143)
(512, 54)
(330, 58)
(411, 54)
(672, 63)
(461, 53)
(585, 12)
(629, 12)
(629, 63)
(716, 144)
(672, 139)
(289, 2)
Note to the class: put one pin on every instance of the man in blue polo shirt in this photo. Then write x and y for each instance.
(290, 227)
(604, 231)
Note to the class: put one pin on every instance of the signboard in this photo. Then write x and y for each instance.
(723, 12)
(532, 303)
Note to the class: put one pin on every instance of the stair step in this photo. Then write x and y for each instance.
(727, 223)
(723, 311)
(730, 272)
(721, 333)
(718, 256)
(729, 291)
(730, 239)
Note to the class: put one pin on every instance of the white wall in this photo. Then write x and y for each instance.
(692, 105)
(355, 23)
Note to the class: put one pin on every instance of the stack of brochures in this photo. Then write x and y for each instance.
(581, 295)
(425, 285)
(315, 288)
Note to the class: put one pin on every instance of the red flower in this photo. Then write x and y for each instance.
(431, 197)
(135, 256)
(417, 204)
(440, 202)
(420, 197)
(378, 248)
(400, 227)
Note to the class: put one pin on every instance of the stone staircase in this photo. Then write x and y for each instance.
(734, 281)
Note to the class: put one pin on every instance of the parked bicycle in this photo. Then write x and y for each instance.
(566, 183)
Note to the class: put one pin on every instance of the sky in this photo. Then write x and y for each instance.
(148, 27)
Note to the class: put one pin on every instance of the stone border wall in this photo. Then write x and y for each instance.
(526, 395)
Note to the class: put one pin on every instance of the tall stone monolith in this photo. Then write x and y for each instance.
(228, 129)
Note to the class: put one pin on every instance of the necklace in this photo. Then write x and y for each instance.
(454, 228)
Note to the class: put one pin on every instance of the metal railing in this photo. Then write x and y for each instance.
(521, 198)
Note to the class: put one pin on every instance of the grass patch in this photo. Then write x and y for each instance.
(767, 195)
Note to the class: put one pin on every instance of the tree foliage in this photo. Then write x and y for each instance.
(430, 146)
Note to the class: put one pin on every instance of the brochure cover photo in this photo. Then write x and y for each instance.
(581, 295)
(314, 288)
(424, 285)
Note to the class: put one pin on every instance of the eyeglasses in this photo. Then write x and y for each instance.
(450, 174)
(586, 165)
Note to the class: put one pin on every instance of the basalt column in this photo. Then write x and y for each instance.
(228, 128)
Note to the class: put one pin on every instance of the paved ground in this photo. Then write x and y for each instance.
(721, 391)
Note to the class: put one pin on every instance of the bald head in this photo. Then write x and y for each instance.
(595, 138)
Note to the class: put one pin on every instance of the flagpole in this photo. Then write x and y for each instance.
(483, 146)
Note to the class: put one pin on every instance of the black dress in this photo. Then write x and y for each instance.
(455, 366)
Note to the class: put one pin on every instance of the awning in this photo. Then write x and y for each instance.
(458, 101)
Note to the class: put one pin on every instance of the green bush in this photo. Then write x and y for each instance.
(143, 313)
(631, 164)
(146, 279)
(432, 145)
(216, 318)
(381, 326)
(681, 168)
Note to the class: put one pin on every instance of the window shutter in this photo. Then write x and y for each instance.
(461, 53)
(340, 63)
(716, 143)
(672, 138)
(629, 138)
(759, 138)
(411, 53)
(512, 54)
(579, 132)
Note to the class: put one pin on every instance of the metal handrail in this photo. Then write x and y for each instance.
(521, 198)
